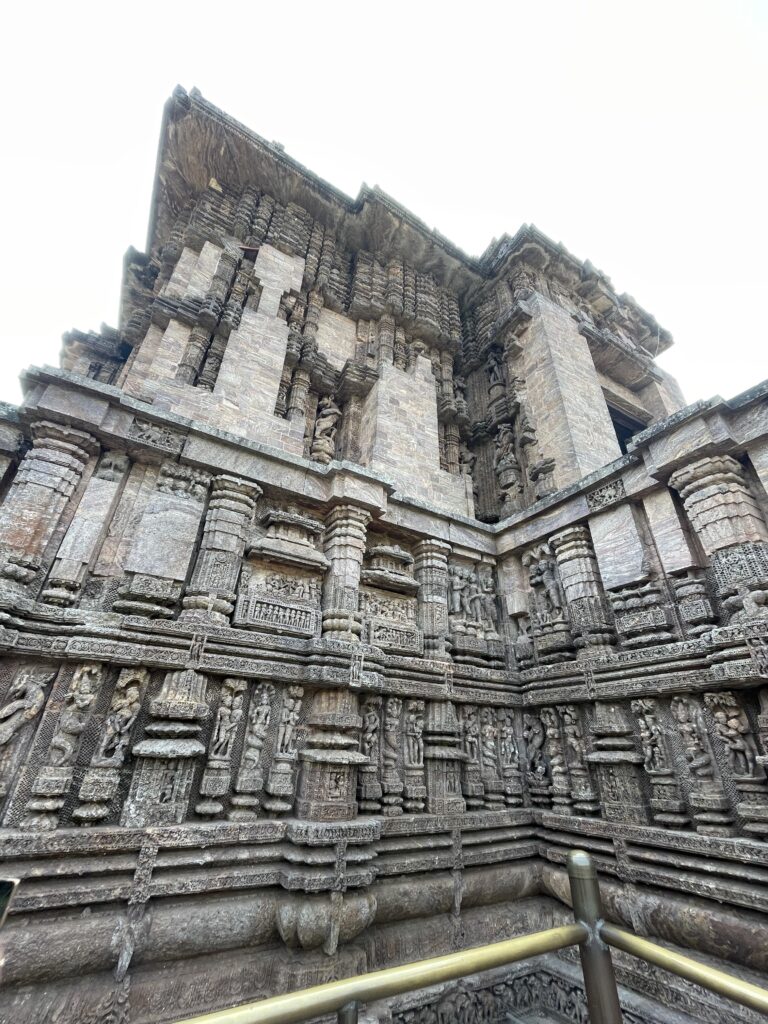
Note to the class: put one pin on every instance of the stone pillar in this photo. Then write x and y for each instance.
(732, 530)
(165, 539)
(297, 398)
(86, 530)
(589, 616)
(344, 545)
(212, 591)
(617, 764)
(667, 803)
(330, 758)
(386, 339)
(47, 477)
(53, 781)
(431, 571)
(711, 811)
(162, 779)
(452, 447)
(391, 780)
(443, 758)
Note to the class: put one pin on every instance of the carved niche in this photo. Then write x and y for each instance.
(388, 600)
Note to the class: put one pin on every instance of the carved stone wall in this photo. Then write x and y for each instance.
(331, 617)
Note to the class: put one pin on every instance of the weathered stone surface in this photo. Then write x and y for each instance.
(332, 616)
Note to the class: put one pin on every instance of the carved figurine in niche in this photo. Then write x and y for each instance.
(258, 723)
(369, 741)
(414, 734)
(534, 736)
(733, 728)
(495, 374)
(524, 649)
(651, 737)
(324, 440)
(117, 725)
(488, 740)
(460, 389)
(228, 717)
(507, 468)
(507, 744)
(472, 603)
(575, 747)
(694, 736)
(471, 734)
(289, 719)
(545, 584)
(74, 716)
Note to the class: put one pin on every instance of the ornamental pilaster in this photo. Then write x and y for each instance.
(47, 477)
(344, 546)
(211, 593)
(431, 571)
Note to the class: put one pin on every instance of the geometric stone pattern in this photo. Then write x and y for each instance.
(332, 616)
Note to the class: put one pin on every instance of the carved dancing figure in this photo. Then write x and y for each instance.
(258, 724)
(471, 734)
(574, 738)
(651, 736)
(534, 736)
(507, 742)
(414, 738)
(77, 704)
(732, 726)
(369, 741)
(289, 718)
(117, 725)
(507, 468)
(693, 736)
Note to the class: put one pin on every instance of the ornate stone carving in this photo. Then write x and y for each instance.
(369, 775)
(508, 472)
(23, 703)
(250, 777)
(392, 782)
(667, 804)
(443, 756)
(216, 778)
(281, 783)
(50, 788)
(101, 781)
(326, 425)
(550, 630)
(707, 798)
(733, 730)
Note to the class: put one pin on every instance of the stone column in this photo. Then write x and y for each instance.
(732, 529)
(452, 447)
(297, 397)
(386, 339)
(443, 758)
(212, 591)
(589, 616)
(431, 571)
(47, 477)
(86, 530)
(617, 765)
(53, 781)
(162, 779)
(330, 758)
(344, 545)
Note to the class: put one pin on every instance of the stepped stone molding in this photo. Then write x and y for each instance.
(331, 609)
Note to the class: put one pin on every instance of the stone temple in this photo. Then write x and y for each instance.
(348, 584)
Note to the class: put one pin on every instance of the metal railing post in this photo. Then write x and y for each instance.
(348, 1013)
(599, 979)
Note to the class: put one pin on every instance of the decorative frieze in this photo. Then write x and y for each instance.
(709, 803)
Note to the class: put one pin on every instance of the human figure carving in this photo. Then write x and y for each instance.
(414, 740)
(26, 700)
(289, 718)
(117, 725)
(228, 718)
(77, 705)
(258, 724)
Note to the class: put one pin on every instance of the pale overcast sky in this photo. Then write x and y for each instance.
(635, 133)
